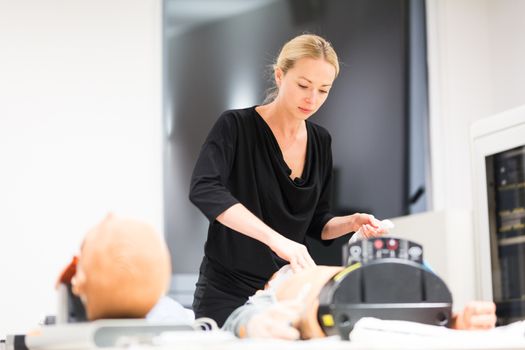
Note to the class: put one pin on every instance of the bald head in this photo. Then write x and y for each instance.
(123, 270)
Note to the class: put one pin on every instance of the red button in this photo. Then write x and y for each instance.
(392, 244)
(378, 244)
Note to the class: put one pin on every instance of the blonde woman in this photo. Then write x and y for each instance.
(263, 179)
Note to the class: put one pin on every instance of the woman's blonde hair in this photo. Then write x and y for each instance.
(302, 46)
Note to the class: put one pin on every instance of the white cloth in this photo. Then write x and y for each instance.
(169, 310)
(406, 334)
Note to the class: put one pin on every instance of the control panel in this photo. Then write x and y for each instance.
(386, 278)
(382, 248)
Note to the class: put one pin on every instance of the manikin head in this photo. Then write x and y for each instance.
(307, 285)
(123, 269)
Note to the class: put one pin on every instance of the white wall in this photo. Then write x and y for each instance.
(80, 135)
(460, 92)
(508, 45)
(476, 54)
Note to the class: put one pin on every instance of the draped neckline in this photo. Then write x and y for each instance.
(298, 181)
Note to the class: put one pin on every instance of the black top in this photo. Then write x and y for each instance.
(241, 162)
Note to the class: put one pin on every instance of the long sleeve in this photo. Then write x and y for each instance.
(208, 189)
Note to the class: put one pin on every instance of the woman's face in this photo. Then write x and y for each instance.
(305, 87)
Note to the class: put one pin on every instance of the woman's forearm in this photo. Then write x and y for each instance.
(338, 226)
(240, 219)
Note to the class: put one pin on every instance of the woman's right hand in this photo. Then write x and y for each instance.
(240, 219)
(295, 253)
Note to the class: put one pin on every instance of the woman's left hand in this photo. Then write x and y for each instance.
(364, 225)
(368, 225)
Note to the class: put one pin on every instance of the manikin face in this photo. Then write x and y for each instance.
(305, 87)
(123, 269)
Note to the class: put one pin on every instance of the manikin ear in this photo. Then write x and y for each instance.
(78, 283)
(278, 75)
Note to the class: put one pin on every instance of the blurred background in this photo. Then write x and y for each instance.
(218, 56)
